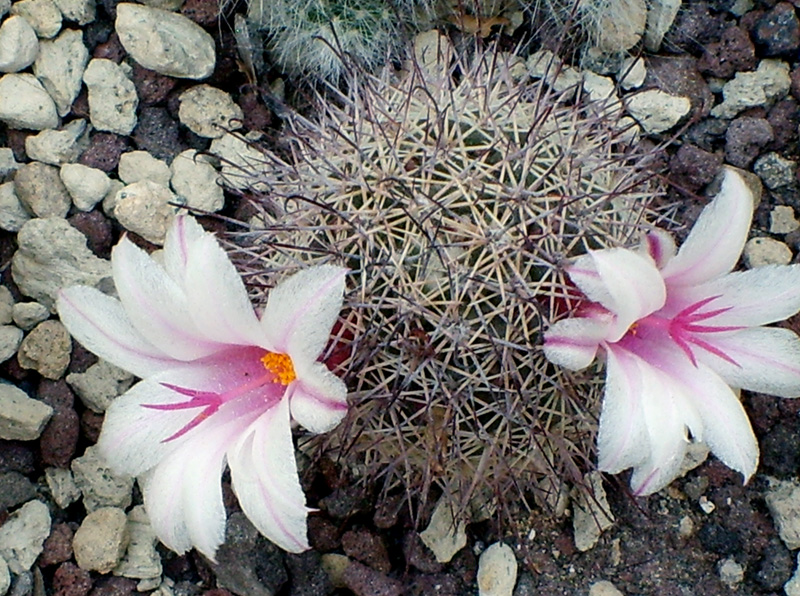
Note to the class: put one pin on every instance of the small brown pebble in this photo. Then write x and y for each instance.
(367, 547)
(104, 151)
(110, 50)
(58, 546)
(114, 586)
(60, 438)
(365, 581)
(203, 12)
(323, 535)
(91, 425)
(98, 231)
(71, 580)
(151, 87)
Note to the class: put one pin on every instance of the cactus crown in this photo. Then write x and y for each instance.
(455, 193)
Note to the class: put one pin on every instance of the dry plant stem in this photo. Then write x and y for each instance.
(456, 193)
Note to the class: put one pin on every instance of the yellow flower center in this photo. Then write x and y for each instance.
(279, 365)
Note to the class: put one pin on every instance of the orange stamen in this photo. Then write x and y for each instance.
(281, 366)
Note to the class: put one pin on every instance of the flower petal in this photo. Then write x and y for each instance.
(155, 304)
(319, 398)
(624, 281)
(302, 309)
(717, 238)
(622, 440)
(99, 323)
(572, 343)
(182, 236)
(264, 477)
(660, 245)
(767, 360)
(751, 298)
(218, 300)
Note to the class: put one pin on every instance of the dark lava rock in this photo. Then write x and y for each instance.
(778, 32)
(526, 585)
(776, 459)
(745, 138)
(104, 151)
(717, 539)
(16, 457)
(58, 546)
(256, 115)
(367, 547)
(734, 52)
(784, 117)
(247, 563)
(308, 576)
(418, 555)
(114, 586)
(80, 359)
(97, 32)
(91, 425)
(98, 231)
(71, 580)
(679, 76)
(694, 28)
(110, 50)
(776, 567)
(437, 585)
(795, 77)
(15, 489)
(692, 168)
(323, 535)
(203, 12)
(60, 437)
(345, 502)
(365, 581)
(151, 87)
(56, 394)
(157, 133)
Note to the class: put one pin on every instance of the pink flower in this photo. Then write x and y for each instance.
(681, 334)
(219, 385)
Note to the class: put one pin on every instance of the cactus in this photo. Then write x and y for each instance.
(455, 193)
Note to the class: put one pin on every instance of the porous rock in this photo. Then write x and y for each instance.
(53, 255)
(238, 157)
(46, 349)
(39, 188)
(591, 514)
(100, 486)
(23, 534)
(194, 180)
(6, 306)
(497, 571)
(776, 171)
(768, 83)
(43, 16)
(209, 112)
(141, 559)
(18, 44)
(135, 166)
(782, 220)
(60, 66)
(112, 97)
(82, 12)
(62, 486)
(26, 315)
(744, 139)
(99, 385)
(604, 588)
(101, 540)
(13, 213)
(445, 535)
(165, 42)
(660, 16)
(10, 340)
(24, 103)
(21, 418)
(87, 186)
(56, 147)
(657, 111)
(144, 208)
(5, 576)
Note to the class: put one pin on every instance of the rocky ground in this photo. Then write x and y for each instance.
(100, 132)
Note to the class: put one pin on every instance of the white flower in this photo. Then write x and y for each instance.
(219, 385)
(681, 334)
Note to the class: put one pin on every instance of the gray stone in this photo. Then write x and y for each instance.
(660, 16)
(40, 190)
(100, 541)
(497, 571)
(18, 44)
(56, 147)
(15, 489)
(792, 587)
(60, 66)
(239, 159)
(782, 220)
(24, 103)
(766, 251)
(10, 340)
(112, 97)
(5, 577)
(194, 180)
(87, 186)
(768, 83)
(445, 535)
(5, 6)
(615, 25)
(26, 315)
(604, 588)
(776, 171)
(43, 15)
(21, 417)
(110, 200)
(144, 208)
(82, 12)
(141, 560)
(136, 166)
(46, 349)
(657, 111)
(6, 306)
(23, 534)
(99, 385)
(8, 164)
(100, 486)
(62, 486)
(209, 112)
(13, 213)
(165, 42)
(591, 514)
(53, 255)
(730, 572)
(544, 64)
(783, 502)
(632, 73)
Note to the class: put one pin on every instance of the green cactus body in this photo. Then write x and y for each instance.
(455, 193)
